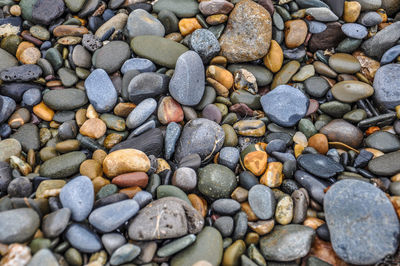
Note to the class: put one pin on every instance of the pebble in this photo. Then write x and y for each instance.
(43, 257)
(370, 19)
(319, 165)
(385, 38)
(262, 201)
(98, 84)
(355, 241)
(285, 105)
(140, 22)
(344, 63)
(146, 85)
(185, 178)
(125, 253)
(82, 238)
(295, 33)
(125, 161)
(384, 85)
(383, 141)
(181, 8)
(140, 114)
(19, 225)
(187, 83)
(111, 57)
(65, 100)
(78, 196)
(139, 64)
(342, 131)
(8, 106)
(55, 223)
(21, 73)
(321, 14)
(63, 165)
(204, 43)
(7, 60)
(216, 181)
(385, 165)
(8, 148)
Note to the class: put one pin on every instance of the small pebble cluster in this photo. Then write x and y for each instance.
(199, 133)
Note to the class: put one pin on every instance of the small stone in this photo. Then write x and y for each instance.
(321, 14)
(176, 246)
(21, 73)
(351, 12)
(344, 63)
(125, 161)
(169, 111)
(139, 64)
(55, 223)
(19, 225)
(385, 38)
(140, 22)
(8, 148)
(295, 33)
(82, 238)
(185, 178)
(98, 84)
(351, 91)
(320, 165)
(111, 56)
(339, 130)
(385, 85)
(125, 253)
(354, 30)
(28, 137)
(93, 128)
(262, 201)
(385, 165)
(141, 113)
(43, 257)
(205, 44)
(65, 99)
(216, 181)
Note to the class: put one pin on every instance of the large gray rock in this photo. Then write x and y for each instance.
(362, 222)
(387, 86)
(147, 85)
(98, 85)
(18, 225)
(55, 223)
(201, 136)
(66, 99)
(287, 243)
(384, 39)
(187, 84)
(165, 218)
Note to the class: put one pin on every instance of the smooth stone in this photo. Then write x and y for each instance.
(229, 156)
(201, 136)
(98, 84)
(164, 191)
(31, 97)
(386, 83)
(320, 165)
(28, 137)
(78, 196)
(171, 137)
(55, 223)
(187, 84)
(7, 107)
(390, 55)
(315, 187)
(140, 22)
(54, 57)
(65, 99)
(225, 225)
(67, 76)
(111, 56)
(81, 57)
(370, 19)
(165, 218)
(263, 75)
(385, 39)
(262, 201)
(244, 97)
(139, 64)
(75, 5)
(383, 141)
(147, 85)
(82, 238)
(110, 217)
(19, 187)
(143, 198)
(21, 73)
(113, 24)
(287, 243)
(125, 253)
(316, 86)
(176, 246)
(370, 4)
(225, 206)
(339, 130)
(351, 91)
(337, 6)
(257, 30)
(185, 178)
(143, 111)
(215, 7)
(112, 241)
(385, 165)
(159, 50)
(169, 20)
(321, 14)
(19, 225)
(208, 247)
(285, 105)
(354, 30)
(205, 44)
(362, 222)
(315, 27)
(181, 8)
(5, 177)
(8, 148)
(63, 165)
(216, 181)
(43, 257)
(335, 108)
(355, 116)
(329, 38)
(344, 63)
(7, 60)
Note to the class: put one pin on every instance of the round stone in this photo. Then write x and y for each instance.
(19, 225)
(111, 56)
(262, 201)
(386, 84)
(351, 91)
(140, 22)
(216, 181)
(344, 63)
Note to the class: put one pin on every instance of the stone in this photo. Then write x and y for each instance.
(187, 83)
(339, 130)
(125, 161)
(383, 141)
(363, 225)
(285, 105)
(165, 218)
(19, 225)
(385, 85)
(139, 64)
(319, 142)
(285, 74)
(385, 165)
(208, 248)
(117, 22)
(112, 241)
(255, 34)
(43, 257)
(344, 63)
(78, 196)
(42, 11)
(295, 33)
(354, 30)
(185, 178)
(274, 58)
(65, 99)
(140, 114)
(7, 60)
(159, 50)
(385, 38)
(111, 56)
(8, 148)
(140, 22)
(125, 253)
(21, 73)
(98, 84)
(322, 14)
(110, 217)
(147, 85)
(263, 75)
(316, 86)
(55, 223)
(315, 187)
(216, 181)
(28, 137)
(327, 39)
(19, 187)
(205, 44)
(63, 165)
(351, 91)
(320, 165)
(181, 8)
(82, 238)
(287, 243)
(215, 7)
(131, 179)
(224, 224)
(94, 128)
(176, 246)
(201, 136)
(262, 201)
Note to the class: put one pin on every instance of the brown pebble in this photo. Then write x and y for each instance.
(93, 128)
(99, 156)
(91, 168)
(131, 179)
(319, 142)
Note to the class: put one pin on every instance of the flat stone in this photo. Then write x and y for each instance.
(19, 225)
(139, 115)
(43, 257)
(201, 136)
(147, 85)
(65, 99)
(341, 131)
(55, 223)
(125, 161)
(316, 86)
(362, 222)
(386, 84)
(98, 84)
(82, 238)
(139, 64)
(111, 56)
(140, 22)
(165, 218)
(385, 39)
(28, 137)
(385, 165)
(355, 30)
(285, 105)
(344, 63)
(287, 243)
(351, 91)
(63, 165)
(216, 181)
(7, 60)
(315, 27)
(262, 201)
(125, 253)
(314, 186)
(383, 141)
(322, 14)
(78, 196)
(187, 84)
(255, 34)
(263, 75)
(320, 165)
(117, 22)
(8, 148)
(7, 107)
(42, 11)
(181, 8)
(159, 50)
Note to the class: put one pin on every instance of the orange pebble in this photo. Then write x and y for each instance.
(43, 111)
(371, 130)
(131, 191)
(188, 25)
(199, 204)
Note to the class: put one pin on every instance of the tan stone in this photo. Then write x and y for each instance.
(295, 33)
(91, 168)
(125, 161)
(93, 128)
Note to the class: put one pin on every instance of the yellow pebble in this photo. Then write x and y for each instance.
(43, 111)
(274, 58)
(188, 25)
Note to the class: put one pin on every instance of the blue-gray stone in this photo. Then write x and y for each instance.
(311, 3)
(384, 39)
(323, 14)
(262, 201)
(229, 156)
(147, 85)
(124, 254)
(320, 165)
(354, 30)
(110, 217)
(370, 19)
(55, 223)
(362, 222)
(143, 128)
(7, 107)
(18, 225)
(171, 137)
(82, 238)
(387, 86)
(112, 241)
(276, 145)
(205, 44)
(139, 64)
(187, 84)
(390, 55)
(143, 198)
(315, 27)
(315, 187)
(78, 196)
(32, 97)
(43, 257)
(225, 206)
(142, 111)
(285, 105)
(21, 73)
(294, 54)
(140, 22)
(100, 91)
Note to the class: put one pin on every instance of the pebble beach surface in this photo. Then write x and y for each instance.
(199, 133)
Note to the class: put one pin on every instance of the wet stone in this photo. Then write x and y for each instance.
(320, 165)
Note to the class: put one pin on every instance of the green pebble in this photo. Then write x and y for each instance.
(176, 246)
